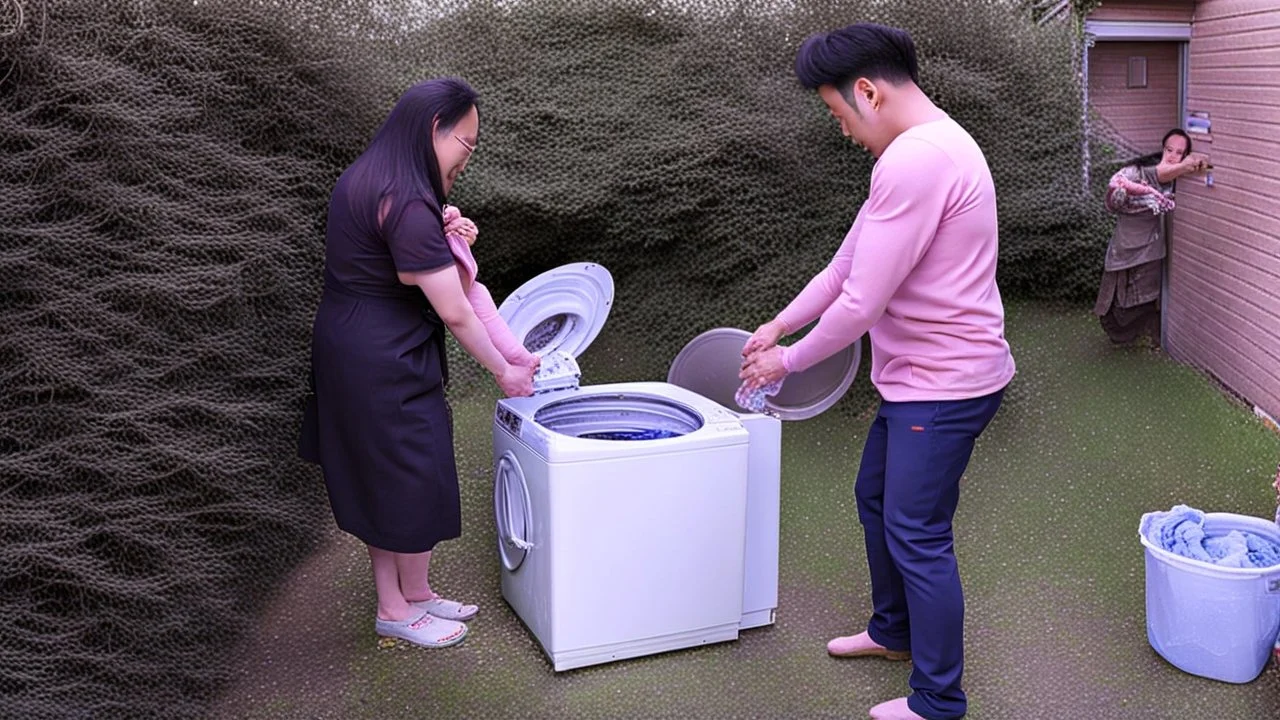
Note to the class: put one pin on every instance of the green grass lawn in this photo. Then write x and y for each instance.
(1090, 437)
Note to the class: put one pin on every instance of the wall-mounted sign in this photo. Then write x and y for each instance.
(1199, 127)
(1198, 123)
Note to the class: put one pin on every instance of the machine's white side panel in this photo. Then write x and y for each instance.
(764, 489)
(525, 589)
(647, 547)
(571, 659)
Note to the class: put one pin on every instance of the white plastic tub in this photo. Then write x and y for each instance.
(1216, 622)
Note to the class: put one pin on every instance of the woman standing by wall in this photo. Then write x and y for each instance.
(1140, 194)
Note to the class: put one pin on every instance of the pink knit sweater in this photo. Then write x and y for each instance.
(918, 272)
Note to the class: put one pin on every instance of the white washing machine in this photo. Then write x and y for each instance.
(640, 517)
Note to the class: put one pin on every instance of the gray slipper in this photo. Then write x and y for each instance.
(447, 609)
(426, 630)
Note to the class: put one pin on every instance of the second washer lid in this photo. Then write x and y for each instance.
(561, 309)
(710, 363)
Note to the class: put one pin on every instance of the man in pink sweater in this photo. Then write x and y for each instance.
(918, 272)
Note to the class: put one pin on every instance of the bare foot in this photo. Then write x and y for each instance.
(894, 710)
(861, 645)
(398, 614)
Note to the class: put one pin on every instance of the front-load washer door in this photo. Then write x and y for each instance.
(511, 512)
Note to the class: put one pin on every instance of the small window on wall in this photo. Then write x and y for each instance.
(1138, 72)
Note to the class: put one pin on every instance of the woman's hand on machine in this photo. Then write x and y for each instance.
(516, 380)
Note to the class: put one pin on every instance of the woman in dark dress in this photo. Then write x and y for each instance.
(377, 422)
(1140, 194)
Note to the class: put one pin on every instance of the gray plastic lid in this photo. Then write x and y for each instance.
(710, 363)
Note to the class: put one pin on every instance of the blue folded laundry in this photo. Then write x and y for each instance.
(1181, 532)
(646, 434)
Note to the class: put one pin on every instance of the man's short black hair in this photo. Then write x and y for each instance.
(875, 52)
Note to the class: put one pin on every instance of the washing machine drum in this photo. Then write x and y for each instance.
(619, 416)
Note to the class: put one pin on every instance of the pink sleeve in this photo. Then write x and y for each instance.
(457, 227)
(824, 288)
(499, 333)
(900, 219)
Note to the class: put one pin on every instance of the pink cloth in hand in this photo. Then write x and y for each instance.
(459, 233)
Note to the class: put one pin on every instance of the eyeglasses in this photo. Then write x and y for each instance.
(470, 148)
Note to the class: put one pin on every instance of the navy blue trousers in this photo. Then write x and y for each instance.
(907, 489)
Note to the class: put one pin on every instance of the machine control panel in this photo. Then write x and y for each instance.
(508, 420)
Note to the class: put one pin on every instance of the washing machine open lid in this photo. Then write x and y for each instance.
(562, 309)
(710, 363)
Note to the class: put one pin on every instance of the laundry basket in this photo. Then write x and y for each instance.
(1216, 622)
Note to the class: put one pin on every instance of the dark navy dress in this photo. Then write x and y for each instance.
(377, 421)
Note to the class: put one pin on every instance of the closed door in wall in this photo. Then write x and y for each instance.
(1133, 86)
